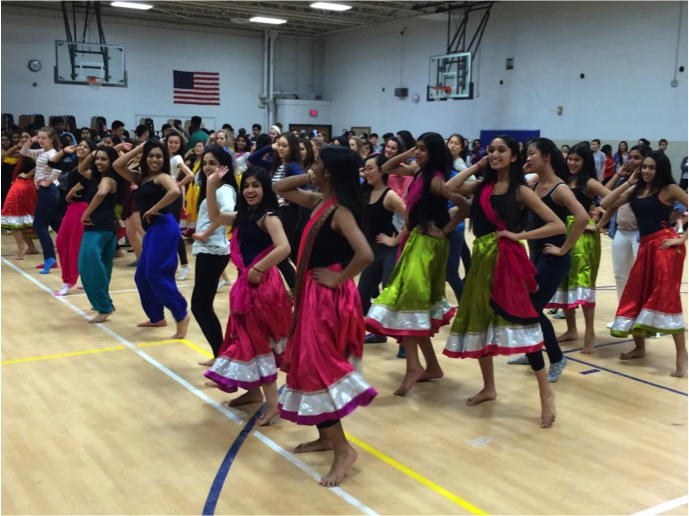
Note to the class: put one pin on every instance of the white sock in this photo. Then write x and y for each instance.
(221, 284)
(64, 289)
(184, 271)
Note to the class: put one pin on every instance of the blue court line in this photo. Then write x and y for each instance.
(628, 376)
(590, 371)
(221, 475)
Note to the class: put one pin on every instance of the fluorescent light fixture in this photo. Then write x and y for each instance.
(331, 6)
(133, 5)
(263, 19)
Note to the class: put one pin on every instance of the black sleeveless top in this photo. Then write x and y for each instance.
(534, 222)
(146, 196)
(103, 217)
(379, 219)
(482, 226)
(583, 199)
(252, 241)
(330, 247)
(650, 214)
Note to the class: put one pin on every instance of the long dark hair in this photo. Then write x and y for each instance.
(366, 188)
(269, 203)
(143, 162)
(508, 210)
(224, 158)
(408, 139)
(662, 177)
(182, 151)
(343, 165)
(294, 152)
(247, 147)
(427, 209)
(97, 177)
(620, 155)
(310, 156)
(588, 168)
(463, 152)
(547, 148)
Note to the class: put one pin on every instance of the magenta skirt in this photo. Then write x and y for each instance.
(322, 381)
(254, 341)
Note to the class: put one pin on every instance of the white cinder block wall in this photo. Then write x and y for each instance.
(625, 49)
(151, 54)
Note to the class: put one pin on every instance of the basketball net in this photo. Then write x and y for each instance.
(94, 82)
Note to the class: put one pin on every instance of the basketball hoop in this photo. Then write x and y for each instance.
(439, 92)
(95, 82)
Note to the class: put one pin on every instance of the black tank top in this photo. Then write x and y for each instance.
(650, 214)
(583, 199)
(379, 219)
(146, 196)
(535, 222)
(103, 217)
(482, 226)
(330, 247)
(252, 241)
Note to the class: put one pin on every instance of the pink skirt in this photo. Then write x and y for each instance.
(255, 341)
(322, 383)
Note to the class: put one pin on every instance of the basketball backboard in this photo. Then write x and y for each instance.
(77, 61)
(450, 77)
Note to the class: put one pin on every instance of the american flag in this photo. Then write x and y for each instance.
(201, 88)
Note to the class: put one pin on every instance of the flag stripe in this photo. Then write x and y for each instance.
(202, 88)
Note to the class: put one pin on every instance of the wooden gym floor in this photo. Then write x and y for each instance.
(115, 419)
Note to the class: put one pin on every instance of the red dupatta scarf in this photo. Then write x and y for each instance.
(311, 230)
(514, 276)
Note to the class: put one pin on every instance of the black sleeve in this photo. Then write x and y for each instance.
(63, 166)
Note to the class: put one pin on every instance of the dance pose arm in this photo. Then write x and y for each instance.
(622, 194)
(28, 175)
(392, 202)
(85, 165)
(120, 164)
(674, 194)
(564, 197)
(256, 158)
(345, 224)
(458, 183)
(624, 171)
(397, 164)
(218, 218)
(27, 151)
(73, 193)
(106, 186)
(552, 226)
(56, 160)
(188, 175)
(289, 188)
(279, 253)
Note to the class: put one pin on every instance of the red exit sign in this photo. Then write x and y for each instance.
(313, 112)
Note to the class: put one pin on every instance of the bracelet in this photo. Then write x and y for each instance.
(254, 268)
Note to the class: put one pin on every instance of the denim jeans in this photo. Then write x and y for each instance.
(48, 198)
(453, 257)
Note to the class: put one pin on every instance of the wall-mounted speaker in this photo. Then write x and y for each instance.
(401, 92)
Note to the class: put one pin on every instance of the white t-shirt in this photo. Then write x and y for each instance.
(175, 162)
(217, 243)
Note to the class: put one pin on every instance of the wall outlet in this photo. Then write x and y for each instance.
(559, 110)
(673, 83)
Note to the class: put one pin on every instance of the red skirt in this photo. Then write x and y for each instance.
(129, 205)
(322, 383)
(18, 210)
(255, 341)
(651, 301)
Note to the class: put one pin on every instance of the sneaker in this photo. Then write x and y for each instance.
(374, 339)
(559, 315)
(522, 360)
(401, 353)
(556, 369)
(552, 311)
(184, 272)
(609, 325)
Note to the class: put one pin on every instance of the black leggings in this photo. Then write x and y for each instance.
(290, 221)
(551, 271)
(209, 268)
(327, 424)
(378, 272)
(466, 258)
(182, 252)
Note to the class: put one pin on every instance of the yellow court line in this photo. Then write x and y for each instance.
(413, 474)
(87, 352)
(388, 460)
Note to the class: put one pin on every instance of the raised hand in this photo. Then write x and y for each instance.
(70, 149)
(217, 175)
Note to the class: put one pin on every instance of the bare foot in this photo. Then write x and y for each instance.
(149, 324)
(432, 374)
(207, 363)
(100, 318)
(252, 396)
(567, 336)
(314, 446)
(410, 378)
(634, 353)
(587, 350)
(681, 365)
(340, 467)
(22, 252)
(211, 383)
(268, 416)
(33, 250)
(589, 342)
(182, 328)
(484, 395)
(548, 410)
